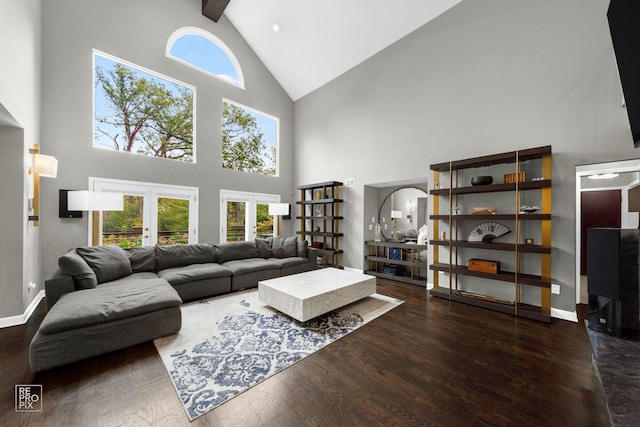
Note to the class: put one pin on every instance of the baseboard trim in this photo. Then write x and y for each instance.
(571, 316)
(21, 319)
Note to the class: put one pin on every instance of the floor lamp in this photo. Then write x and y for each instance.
(278, 209)
(95, 202)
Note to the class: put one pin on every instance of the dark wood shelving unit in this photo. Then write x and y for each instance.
(520, 247)
(379, 260)
(320, 220)
(455, 290)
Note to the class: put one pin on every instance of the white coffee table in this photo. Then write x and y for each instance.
(304, 296)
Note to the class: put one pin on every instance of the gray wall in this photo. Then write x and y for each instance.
(137, 31)
(483, 78)
(19, 131)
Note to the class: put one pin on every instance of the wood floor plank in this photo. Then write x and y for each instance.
(427, 362)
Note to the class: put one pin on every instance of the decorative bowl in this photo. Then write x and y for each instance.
(482, 180)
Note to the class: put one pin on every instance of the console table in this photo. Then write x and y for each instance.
(384, 261)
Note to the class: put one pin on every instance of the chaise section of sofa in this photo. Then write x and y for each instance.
(87, 321)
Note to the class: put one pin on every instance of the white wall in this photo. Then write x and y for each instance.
(483, 78)
(20, 115)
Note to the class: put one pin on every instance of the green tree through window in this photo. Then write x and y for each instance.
(249, 140)
(141, 113)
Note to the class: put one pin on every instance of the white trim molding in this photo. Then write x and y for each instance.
(21, 319)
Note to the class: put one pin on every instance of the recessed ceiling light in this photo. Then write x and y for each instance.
(276, 28)
(603, 176)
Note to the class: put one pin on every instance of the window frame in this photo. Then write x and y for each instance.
(277, 142)
(196, 31)
(130, 64)
(150, 191)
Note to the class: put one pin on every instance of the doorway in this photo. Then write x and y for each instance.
(152, 214)
(607, 205)
(245, 216)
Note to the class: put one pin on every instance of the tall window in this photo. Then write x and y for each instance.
(205, 52)
(139, 111)
(249, 139)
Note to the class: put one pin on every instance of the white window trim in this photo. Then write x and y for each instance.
(148, 71)
(215, 40)
(274, 118)
(150, 189)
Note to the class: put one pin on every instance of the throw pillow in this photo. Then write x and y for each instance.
(284, 247)
(264, 247)
(143, 258)
(72, 264)
(303, 245)
(108, 262)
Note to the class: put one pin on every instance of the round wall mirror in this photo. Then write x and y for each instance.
(404, 211)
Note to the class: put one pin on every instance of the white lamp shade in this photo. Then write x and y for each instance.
(396, 214)
(94, 201)
(45, 165)
(278, 208)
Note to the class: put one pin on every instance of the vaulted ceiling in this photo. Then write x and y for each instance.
(307, 43)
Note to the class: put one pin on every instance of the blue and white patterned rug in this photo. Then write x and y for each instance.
(231, 343)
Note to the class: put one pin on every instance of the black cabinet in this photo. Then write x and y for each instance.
(613, 278)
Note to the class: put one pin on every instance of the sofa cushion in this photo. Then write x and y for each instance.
(124, 298)
(142, 258)
(283, 247)
(108, 262)
(289, 261)
(190, 273)
(264, 247)
(250, 265)
(184, 254)
(75, 266)
(236, 251)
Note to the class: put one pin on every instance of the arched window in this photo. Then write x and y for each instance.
(205, 52)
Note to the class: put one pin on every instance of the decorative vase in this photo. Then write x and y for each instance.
(482, 180)
(378, 231)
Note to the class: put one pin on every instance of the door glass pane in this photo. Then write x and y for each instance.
(264, 221)
(236, 221)
(173, 221)
(124, 228)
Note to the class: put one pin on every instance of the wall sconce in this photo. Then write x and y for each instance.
(278, 209)
(394, 216)
(95, 202)
(410, 207)
(46, 166)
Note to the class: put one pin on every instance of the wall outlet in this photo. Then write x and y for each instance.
(350, 182)
(370, 227)
(555, 289)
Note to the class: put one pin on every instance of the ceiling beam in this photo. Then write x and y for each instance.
(213, 9)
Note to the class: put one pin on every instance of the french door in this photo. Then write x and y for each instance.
(245, 216)
(153, 214)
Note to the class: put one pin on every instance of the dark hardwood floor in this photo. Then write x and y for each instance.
(427, 362)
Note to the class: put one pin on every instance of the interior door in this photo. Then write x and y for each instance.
(598, 209)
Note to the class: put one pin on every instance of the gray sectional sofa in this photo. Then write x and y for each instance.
(104, 298)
